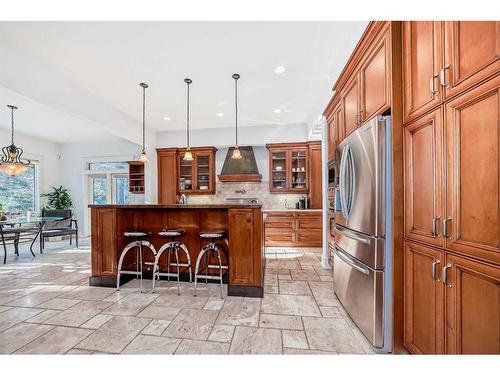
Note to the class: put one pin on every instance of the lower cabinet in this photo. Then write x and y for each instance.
(292, 228)
(452, 303)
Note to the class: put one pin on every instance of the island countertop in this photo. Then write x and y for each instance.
(243, 243)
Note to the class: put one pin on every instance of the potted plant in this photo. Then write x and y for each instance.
(2, 212)
(58, 199)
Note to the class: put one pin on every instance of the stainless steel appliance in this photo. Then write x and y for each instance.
(332, 180)
(362, 212)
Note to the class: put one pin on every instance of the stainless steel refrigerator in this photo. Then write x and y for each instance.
(362, 269)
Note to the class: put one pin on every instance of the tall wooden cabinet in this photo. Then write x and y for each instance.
(452, 187)
(178, 176)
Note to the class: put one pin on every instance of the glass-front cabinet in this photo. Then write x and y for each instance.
(289, 168)
(197, 175)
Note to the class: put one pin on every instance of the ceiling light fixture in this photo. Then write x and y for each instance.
(144, 156)
(277, 110)
(11, 163)
(236, 152)
(188, 156)
(280, 69)
(220, 114)
(166, 118)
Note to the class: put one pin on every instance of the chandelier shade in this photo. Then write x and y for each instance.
(11, 162)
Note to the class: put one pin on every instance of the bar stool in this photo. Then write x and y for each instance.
(138, 243)
(213, 248)
(172, 245)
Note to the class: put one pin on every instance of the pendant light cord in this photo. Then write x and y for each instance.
(144, 118)
(236, 107)
(12, 124)
(187, 115)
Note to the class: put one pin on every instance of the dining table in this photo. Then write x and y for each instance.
(15, 228)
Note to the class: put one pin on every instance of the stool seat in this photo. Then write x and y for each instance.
(172, 232)
(211, 235)
(138, 234)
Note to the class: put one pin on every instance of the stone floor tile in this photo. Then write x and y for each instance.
(284, 277)
(323, 293)
(283, 264)
(330, 312)
(43, 316)
(289, 305)
(59, 303)
(131, 305)
(78, 314)
(143, 344)
(331, 335)
(271, 289)
(280, 321)
(192, 324)
(221, 333)
(293, 351)
(16, 315)
(156, 327)
(304, 274)
(90, 293)
(79, 352)
(114, 335)
(34, 299)
(251, 340)
(184, 301)
(20, 335)
(241, 313)
(202, 347)
(159, 312)
(214, 303)
(4, 308)
(57, 341)
(294, 339)
(97, 321)
(294, 287)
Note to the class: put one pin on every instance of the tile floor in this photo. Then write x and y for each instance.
(47, 307)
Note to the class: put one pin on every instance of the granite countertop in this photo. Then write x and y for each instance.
(293, 210)
(177, 206)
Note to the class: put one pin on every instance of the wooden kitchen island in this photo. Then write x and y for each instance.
(244, 245)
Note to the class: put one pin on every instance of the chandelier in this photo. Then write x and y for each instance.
(11, 163)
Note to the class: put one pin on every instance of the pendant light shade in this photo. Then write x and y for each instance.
(236, 152)
(144, 156)
(188, 156)
(11, 163)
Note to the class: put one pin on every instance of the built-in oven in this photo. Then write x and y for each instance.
(332, 176)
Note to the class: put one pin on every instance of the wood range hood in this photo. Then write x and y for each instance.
(240, 170)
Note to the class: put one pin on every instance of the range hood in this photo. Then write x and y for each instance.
(240, 170)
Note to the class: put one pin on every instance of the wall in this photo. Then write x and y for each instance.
(44, 152)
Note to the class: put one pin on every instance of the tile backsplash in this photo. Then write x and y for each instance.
(251, 190)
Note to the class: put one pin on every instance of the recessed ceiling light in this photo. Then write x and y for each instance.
(280, 69)
(166, 118)
(220, 114)
(277, 110)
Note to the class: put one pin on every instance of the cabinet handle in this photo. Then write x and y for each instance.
(442, 77)
(445, 229)
(432, 86)
(444, 275)
(434, 226)
(361, 116)
(356, 119)
(433, 269)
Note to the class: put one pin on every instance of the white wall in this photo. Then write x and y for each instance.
(44, 152)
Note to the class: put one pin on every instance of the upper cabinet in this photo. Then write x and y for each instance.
(422, 60)
(178, 176)
(335, 129)
(350, 103)
(316, 175)
(288, 167)
(443, 59)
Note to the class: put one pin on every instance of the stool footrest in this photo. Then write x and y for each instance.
(208, 277)
(217, 267)
(125, 272)
(166, 274)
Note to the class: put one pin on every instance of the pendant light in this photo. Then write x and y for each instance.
(144, 156)
(236, 152)
(10, 162)
(188, 156)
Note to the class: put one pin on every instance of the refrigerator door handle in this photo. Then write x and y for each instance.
(351, 235)
(348, 261)
(352, 178)
(342, 182)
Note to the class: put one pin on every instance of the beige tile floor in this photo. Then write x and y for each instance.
(47, 307)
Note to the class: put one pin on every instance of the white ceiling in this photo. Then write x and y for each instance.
(79, 80)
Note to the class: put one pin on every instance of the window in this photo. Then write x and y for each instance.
(106, 166)
(19, 193)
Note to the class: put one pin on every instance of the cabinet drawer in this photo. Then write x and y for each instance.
(279, 238)
(309, 223)
(285, 223)
(309, 237)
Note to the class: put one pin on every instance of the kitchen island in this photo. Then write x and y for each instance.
(243, 243)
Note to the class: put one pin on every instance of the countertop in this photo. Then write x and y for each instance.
(176, 206)
(294, 210)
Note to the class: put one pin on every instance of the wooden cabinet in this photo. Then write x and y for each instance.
(374, 80)
(335, 129)
(293, 228)
(316, 175)
(350, 104)
(423, 299)
(136, 181)
(424, 203)
(178, 176)
(289, 167)
(472, 307)
(472, 54)
(422, 61)
(473, 172)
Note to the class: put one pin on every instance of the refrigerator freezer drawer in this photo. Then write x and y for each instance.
(360, 289)
(367, 249)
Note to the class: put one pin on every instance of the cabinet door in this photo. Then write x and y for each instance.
(241, 247)
(332, 135)
(423, 300)
(423, 150)
(422, 60)
(204, 164)
(167, 177)
(472, 307)
(374, 78)
(186, 175)
(473, 172)
(350, 101)
(315, 176)
(279, 170)
(339, 119)
(299, 170)
(472, 53)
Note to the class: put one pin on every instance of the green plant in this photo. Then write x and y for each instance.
(58, 199)
(2, 209)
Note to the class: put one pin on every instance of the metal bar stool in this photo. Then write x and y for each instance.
(172, 245)
(138, 243)
(214, 248)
